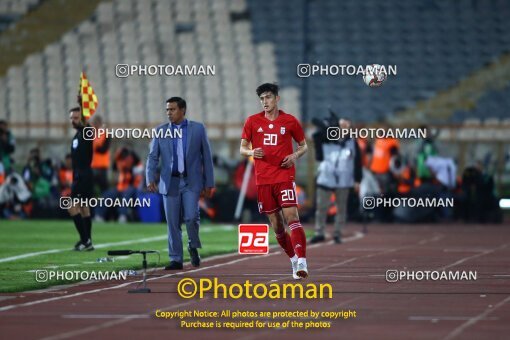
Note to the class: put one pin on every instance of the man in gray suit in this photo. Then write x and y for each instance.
(186, 175)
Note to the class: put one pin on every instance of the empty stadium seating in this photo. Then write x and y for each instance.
(433, 43)
(149, 32)
(12, 10)
(493, 107)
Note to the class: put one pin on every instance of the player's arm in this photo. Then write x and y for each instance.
(300, 151)
(247, 151)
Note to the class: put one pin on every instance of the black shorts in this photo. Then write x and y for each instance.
(83, 184)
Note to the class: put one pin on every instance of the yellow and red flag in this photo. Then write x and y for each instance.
(89, 102)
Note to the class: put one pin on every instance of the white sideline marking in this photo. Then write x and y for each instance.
(36, 302)
(76, 264)
(465, 250)
(457, 331)
(273, 274)
(347, 302)
(126, 319)
(464, 259)
(366, 249)
(445, 318)
(111, 244)
(108, 324)
(99, 246)
(356, 236)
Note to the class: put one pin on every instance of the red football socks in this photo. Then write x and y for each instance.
(298, 238)
(286, 243)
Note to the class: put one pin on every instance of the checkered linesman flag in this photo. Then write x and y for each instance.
(89, 102)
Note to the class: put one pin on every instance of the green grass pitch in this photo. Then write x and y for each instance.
(32, 236)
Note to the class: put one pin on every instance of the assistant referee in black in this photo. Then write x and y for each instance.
(82, 187)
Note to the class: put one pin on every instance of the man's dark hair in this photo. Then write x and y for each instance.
(267, 87)
(181, 103)
(75, 109)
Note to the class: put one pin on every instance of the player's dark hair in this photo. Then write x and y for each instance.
(181, 103)
(267, 87)
(75, 109)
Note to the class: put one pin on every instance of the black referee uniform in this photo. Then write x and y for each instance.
(81, 154)
(83, 185)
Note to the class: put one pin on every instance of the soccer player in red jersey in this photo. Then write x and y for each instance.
(270, 134)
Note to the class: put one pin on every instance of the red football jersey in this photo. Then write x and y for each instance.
(275, 138)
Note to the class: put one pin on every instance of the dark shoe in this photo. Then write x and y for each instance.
(317, 239)
(88, 246)
(79, 246)
(337, 239)
(193, 254)
(174, 265)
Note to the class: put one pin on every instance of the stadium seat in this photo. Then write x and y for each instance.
(264, 46)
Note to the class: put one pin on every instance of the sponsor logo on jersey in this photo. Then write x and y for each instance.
(260, 130)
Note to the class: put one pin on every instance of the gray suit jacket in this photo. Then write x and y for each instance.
(198, 158)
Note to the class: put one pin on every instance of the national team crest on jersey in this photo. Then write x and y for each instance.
(282, 130)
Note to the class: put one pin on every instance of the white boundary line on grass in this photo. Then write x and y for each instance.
(111, 244)
(99, 246)
(356, 236)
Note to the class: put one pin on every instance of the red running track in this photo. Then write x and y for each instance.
(356, 270)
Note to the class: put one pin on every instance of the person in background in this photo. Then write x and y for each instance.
(365, 149)
(383, 150)
(38, 176)
(15, 197)
(403, 174)
(478, 202)
(427, 147)
(2, 173)
(130, 175)
(33, 162)
(65, 176)
(444, 172)
(100, 155)
(7, 147)
(339, 171)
